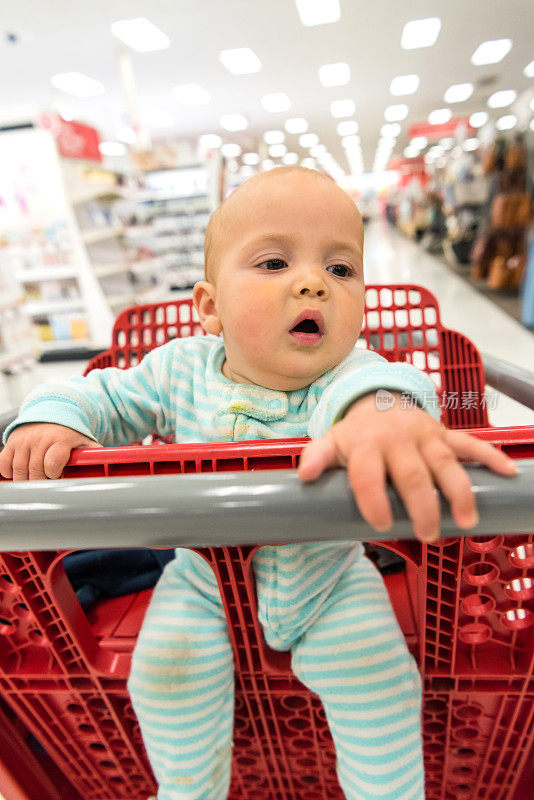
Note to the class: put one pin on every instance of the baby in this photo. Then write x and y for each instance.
(284, 289)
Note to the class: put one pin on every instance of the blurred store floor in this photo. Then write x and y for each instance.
(392, 258)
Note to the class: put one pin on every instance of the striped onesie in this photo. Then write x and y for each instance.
(325, 602)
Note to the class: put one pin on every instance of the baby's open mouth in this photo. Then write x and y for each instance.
(306, 326)
(309, 330)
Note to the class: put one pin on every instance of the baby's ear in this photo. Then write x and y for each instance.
(204, 302)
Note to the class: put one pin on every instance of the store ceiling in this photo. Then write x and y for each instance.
(64, 36)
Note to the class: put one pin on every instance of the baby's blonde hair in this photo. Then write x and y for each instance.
(215, 225)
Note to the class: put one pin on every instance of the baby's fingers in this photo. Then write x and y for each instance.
(317, 456)
(473, 449)
(367, 476)
(412, 479)
(55, 459)
(453, 481)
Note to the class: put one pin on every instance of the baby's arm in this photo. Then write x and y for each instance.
(108, 407)
(404, 442)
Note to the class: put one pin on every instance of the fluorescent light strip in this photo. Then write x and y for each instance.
(342, 108)
(440, 116)
(318, 12)
(395, 113)
(502, 98)
(491, 52)
(458, 93)
(274, 137)
(140, 34)
(334, 74)
(240, 61)
(478, 119)
(296, 125)
(77, 84)
(347, 128)
(233, 122)
(209, 141)
(404, 84)
(420, 33)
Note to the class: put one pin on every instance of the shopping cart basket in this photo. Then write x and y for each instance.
(465, 606)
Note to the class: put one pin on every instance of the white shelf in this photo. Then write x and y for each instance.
(101, 234)
(45, 274)
(41, 308)
(137, 231)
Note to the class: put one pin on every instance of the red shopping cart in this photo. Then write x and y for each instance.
(465, 606)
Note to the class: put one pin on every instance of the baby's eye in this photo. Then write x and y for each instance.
(273, 264)
(340, 270)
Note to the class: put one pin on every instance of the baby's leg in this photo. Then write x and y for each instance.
(182, 683)
(355, 658)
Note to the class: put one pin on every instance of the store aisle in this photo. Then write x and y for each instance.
(390, 257)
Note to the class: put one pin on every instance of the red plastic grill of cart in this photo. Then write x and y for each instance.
(466, 609)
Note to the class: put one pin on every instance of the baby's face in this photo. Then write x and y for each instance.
(290, 249)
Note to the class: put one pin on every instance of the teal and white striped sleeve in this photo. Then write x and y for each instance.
(112, 406)
(362, 372)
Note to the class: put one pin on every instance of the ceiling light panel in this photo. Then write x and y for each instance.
(240, 61)
(458, 93)
(404, 84)
(276, 101)
(251, 159)
(347, 128)
(529, 70)
(77, 84)
(390, 129)
(290, 159)
(209, 141)
(231, 150)
(478, 119)
(471, 144)
(491, 52)
(140, 34)
(334, 74)
(342, 108)
(419, 142)
(440, 116)
(233, 122)
(395, 113)
(277, 150)
(274, 137)
(296, 125)
(506, 123)
(191, 94)
(420, 33)
(318, 12)
(308, 162)
(502, 98)
(317, 150)
(308, 139)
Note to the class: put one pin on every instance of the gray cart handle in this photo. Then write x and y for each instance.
(509, 379)
(240, 508)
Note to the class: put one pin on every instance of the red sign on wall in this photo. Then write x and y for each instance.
(73, 139)
(434, 132)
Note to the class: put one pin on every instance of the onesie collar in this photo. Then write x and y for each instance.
(249, 399)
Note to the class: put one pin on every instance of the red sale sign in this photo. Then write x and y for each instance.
(73, 139)
(434, 132)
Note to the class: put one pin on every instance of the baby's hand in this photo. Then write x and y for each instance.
(415, 451)
(39, 450)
